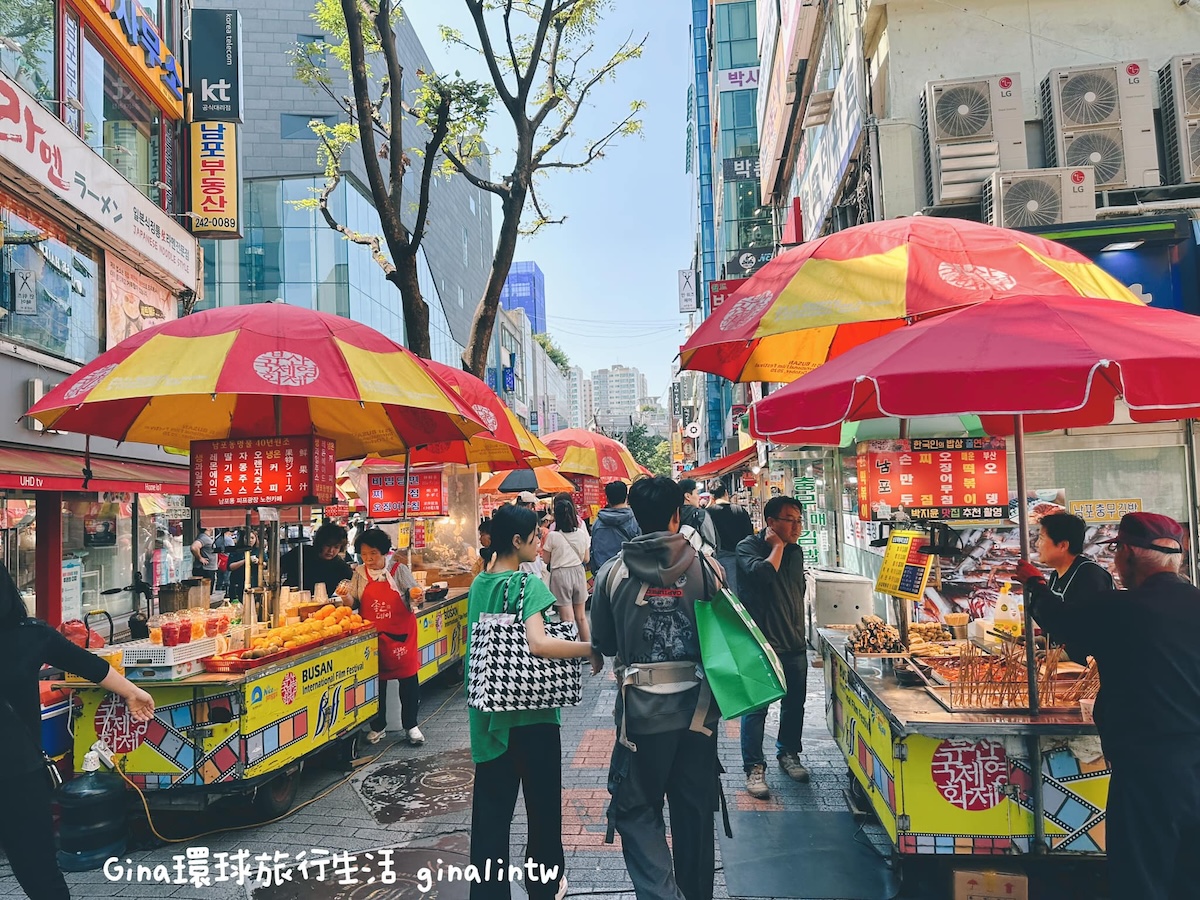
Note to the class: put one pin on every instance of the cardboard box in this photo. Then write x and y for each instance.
(970, 885)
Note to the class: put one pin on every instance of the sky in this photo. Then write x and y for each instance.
(611, 268)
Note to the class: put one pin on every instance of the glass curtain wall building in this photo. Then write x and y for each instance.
(291, 254)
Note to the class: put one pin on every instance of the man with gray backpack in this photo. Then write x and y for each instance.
(643, 614)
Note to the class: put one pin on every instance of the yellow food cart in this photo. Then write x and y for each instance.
(248, 732)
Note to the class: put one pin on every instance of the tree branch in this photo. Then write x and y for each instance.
(525, 79)
(594, 151)
(395, 80)
(508, 39)
(437, 135)
(352, 12)
(542, 218)
(481, 183)
(475, 7)
(367, 240)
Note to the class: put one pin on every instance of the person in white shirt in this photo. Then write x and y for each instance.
(565, 552)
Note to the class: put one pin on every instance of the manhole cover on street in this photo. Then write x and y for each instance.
(418, 788)
(421, 873)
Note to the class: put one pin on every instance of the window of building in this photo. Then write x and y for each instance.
(462, 297)
(313, 46)
(466, 247)
(28, 57)
(737, 35)
(57, 309)
(473, 204)
(296, 127)
(119, 121)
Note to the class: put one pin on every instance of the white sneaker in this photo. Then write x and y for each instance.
(415, 737)
(376, 736)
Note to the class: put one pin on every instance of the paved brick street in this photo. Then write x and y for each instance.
(419, 798)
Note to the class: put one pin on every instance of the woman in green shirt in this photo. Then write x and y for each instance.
(519, 749)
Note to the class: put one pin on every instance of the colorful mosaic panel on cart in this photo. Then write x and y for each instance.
(1075, 796)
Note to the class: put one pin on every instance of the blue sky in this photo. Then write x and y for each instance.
(611, 281)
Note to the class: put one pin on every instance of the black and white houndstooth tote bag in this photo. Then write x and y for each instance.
(503, 676)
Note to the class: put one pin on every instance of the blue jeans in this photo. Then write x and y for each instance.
(791, 715)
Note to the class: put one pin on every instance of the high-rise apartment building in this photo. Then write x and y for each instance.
(583, 407)
(525, 288)
(616, 391)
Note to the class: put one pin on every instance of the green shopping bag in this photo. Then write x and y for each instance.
(742, 669)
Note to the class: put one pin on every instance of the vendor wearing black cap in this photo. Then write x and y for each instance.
(1144, 640)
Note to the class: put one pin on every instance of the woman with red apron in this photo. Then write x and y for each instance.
(381, 597)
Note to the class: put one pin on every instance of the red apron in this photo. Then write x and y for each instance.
(383, 606)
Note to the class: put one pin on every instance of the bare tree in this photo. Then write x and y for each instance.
(539, 54)
(361, 33)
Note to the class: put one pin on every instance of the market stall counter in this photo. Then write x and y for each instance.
(959, 783)
(442, 633)
(248, 731)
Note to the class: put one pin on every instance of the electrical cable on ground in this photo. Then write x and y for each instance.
(291, 812)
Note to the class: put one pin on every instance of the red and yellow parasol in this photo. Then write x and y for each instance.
(506, 444)
(813, 303)
(588, 453)
(260, 371)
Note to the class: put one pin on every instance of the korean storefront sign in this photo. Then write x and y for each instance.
(215, 182)
(130, 34)
(1104, 512)
(936, 478)
(216, 65)
(719, 290)
(737, 79)
(134, 301)
(426, 495)
(283, 471)
(687, 291)
(38, 145)
(740, 168)
(747, 261)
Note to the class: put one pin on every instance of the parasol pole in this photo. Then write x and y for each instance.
(404, 515)
(1033, 743)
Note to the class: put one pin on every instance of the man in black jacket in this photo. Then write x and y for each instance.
(1148, 712)
(732, 523)
(771, 580)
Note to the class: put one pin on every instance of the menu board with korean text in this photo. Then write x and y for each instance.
(426, 495)
(588, 496)
(905, 570)
(282, 471)
(933, 478)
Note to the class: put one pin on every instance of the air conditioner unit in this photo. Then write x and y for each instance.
(1179, 100)
(972, 127)
(1102, 116)
(1040, 197)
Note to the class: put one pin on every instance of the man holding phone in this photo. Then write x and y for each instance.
(771, 585)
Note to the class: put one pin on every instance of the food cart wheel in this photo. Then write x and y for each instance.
(277, 796)
(857, 793)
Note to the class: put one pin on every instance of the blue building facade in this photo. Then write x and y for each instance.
(525, 288)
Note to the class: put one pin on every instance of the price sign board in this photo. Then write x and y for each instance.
(283, 471)
(426, 495)
(933, 478)
(905, 571)
(337, 511)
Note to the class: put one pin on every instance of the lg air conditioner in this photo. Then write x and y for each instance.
(972, 127)
(1040, 197)
(1102, 116)
(1179, 100)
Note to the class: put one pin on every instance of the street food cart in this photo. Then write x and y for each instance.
(959, 783)
(250, 730)
(438, 541)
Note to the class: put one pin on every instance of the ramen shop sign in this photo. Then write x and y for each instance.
(284, 471)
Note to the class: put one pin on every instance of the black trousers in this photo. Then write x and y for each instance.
(410, 703)
(27, 835)
(680, 767)
(1153, 824)
(533, 763)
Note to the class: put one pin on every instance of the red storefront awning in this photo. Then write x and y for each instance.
(42, 470)
(724, 465)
